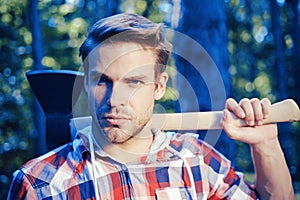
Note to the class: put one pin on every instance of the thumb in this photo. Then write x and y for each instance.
(229, 127)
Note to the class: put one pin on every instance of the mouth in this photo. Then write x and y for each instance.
(116, 121)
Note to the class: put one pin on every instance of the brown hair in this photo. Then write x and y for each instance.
(129, 28)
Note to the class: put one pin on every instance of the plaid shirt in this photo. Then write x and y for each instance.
(65, 173)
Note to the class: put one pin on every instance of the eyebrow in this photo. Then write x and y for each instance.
(138, 77)
(99, 75)
(94, 73)
(129, 77)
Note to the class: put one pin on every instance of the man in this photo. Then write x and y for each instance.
(120, 156)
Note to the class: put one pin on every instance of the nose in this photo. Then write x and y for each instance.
(116, 96)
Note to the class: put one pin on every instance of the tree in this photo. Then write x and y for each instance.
(294, 81)
(203, 85)
(287, 142)
(16, 133)
(262, 41)
(248, 35)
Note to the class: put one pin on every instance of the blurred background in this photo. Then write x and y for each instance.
(255, 46)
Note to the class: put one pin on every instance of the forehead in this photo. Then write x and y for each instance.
(120, 54)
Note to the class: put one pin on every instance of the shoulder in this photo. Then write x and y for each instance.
(41, 170)
(48, 171)
(190, 142)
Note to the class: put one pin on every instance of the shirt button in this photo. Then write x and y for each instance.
(124, 168)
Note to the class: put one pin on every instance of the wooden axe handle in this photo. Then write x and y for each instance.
(283, 111)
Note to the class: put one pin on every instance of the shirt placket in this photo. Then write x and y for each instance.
(127, 187)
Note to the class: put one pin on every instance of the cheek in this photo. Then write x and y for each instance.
(97, 95)
(142, 98)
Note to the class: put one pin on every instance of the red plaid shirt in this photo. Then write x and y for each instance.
(65, 173)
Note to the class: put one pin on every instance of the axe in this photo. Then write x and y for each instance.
(283, 111)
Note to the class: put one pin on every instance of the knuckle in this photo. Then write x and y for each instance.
(255, 101)
(258, 116)
(230, 103)
(244, 100)
(266, 102)
(249, 116)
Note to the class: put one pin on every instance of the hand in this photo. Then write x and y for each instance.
(253, 111)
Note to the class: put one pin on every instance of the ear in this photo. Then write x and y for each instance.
(161, 84)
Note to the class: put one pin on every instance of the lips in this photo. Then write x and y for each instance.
(115, 120)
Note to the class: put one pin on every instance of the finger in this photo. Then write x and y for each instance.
(257, 111)
(266, 107)
(248, 110)
(230, 129)
(248, 135)
(234, 107)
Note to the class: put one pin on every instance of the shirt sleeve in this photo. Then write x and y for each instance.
(21, 188)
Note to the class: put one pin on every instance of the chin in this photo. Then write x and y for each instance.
(117, 136)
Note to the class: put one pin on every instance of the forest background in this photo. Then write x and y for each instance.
(254, 44)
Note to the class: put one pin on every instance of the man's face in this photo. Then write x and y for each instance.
(122, 89)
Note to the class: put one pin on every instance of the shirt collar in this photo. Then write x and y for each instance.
(81, 142)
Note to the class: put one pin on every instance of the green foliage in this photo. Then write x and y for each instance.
(251, 47)
(255, 64)
(16, 127)
(63, 33)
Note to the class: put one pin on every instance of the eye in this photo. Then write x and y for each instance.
(102, 80)
(134, 82)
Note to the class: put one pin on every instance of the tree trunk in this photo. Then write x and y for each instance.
(279, 48)
(39, 118)
(284, 129)
(295, 32)
(203, 81)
